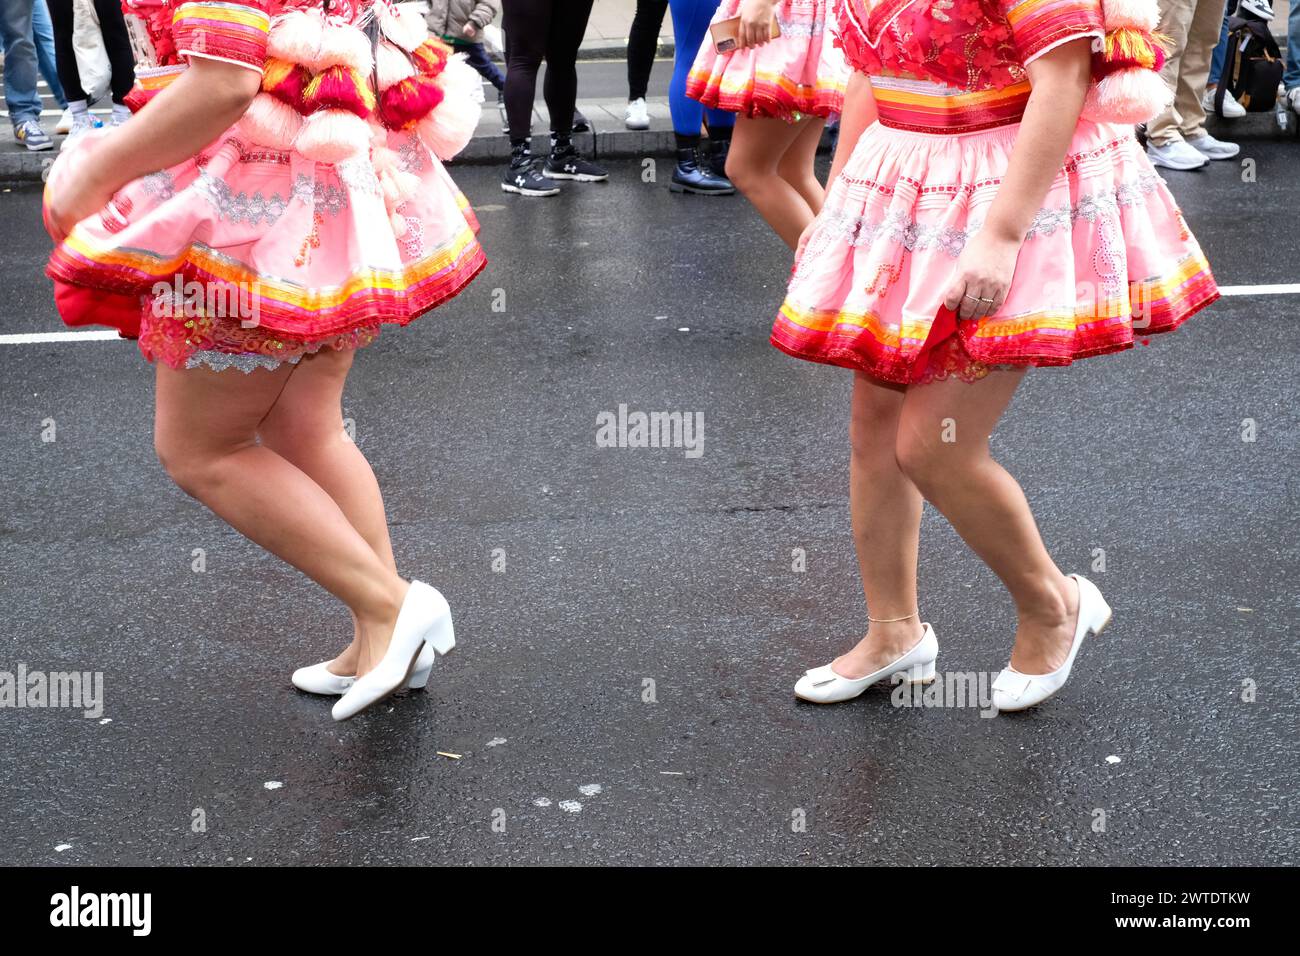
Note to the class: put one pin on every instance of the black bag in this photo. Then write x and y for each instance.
(1252, 68)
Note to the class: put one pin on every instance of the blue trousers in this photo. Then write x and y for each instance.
(690, 24)
(1291, 78)
(43, 34)
(21, 98)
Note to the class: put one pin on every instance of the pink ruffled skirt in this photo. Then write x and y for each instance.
(801, 72)
(248, 256)
(1107, 261)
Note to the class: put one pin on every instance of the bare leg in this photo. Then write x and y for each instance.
(886, 512)
(305, 427)
(757, 146)
(206, 435)
(796, 166)
(943, 446)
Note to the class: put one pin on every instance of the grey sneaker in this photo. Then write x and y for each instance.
(1212, 148)
(1176, 155)
(30, 134)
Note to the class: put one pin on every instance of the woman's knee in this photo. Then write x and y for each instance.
(182, 462)
(930, 456)
(744, 171)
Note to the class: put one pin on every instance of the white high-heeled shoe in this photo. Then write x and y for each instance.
(1013, 690)
(821, 685)
(319, 679)
(424, 620)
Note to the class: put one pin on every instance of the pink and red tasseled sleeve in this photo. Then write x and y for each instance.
(849, 31)
(1038, 26)
(229, 32)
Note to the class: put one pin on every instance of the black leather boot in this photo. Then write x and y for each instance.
(718, 149)
(691, 176)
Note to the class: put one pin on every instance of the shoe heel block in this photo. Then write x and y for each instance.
(920, 673)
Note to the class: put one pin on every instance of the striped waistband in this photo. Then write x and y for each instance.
(923, 107)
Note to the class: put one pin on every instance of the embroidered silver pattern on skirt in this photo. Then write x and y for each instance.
(244, 361)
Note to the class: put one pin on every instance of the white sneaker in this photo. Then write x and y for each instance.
(822, 685)
(319, 679)
(64, 125)
(637, 116)
(1016, 691)
(1176, 155)
(1293, 99)
(1231, 108)
(1212, 148)
(81, 123)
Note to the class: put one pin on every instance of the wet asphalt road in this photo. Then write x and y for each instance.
(626, 566)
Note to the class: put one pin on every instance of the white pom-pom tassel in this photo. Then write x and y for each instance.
(408, 184)
(1129, 96)
(331, 136)
(296, 37)
(405, 27)
(448, 129)
(392, 65)
(1143, 14)
(345, 45)
(269, 122)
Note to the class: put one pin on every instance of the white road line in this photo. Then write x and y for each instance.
(41, 338)
(1290, 289)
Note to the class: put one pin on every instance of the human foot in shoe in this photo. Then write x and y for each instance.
(826, 685)
(334, 677)
(1046, 632)
(390, 652)
(1039, 645)
(883, 644)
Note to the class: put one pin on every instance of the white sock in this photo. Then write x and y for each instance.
(78, 107)
(121, 112)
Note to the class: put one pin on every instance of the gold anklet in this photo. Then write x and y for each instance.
(892, 620)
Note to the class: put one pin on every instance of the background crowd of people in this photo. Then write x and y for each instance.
(51, 39)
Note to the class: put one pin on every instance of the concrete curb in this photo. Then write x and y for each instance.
(617, 50)
(620, 143)
(25, 166)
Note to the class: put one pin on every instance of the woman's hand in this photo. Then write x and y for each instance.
(469, 30)
(803, 240)
(80, 195)
(983, 278)
(755, 23)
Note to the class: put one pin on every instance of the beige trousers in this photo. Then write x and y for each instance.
(1193, 26)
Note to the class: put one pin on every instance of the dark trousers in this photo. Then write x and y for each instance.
(537, 30)
(116, 42)
(642, 44)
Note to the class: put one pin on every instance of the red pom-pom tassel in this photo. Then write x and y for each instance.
(339, 88)
(286, 82)
(406, 103)
(431, 56)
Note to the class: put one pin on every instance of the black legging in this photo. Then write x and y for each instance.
(116, 42)
(642, 45)
(537, 29)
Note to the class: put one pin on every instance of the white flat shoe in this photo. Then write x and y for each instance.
(1016, 691)
(319, 679)
(423, 621)
(821, 685)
